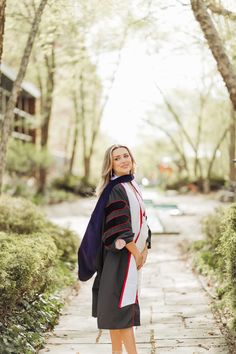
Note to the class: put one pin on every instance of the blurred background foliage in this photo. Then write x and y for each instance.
(184, 135)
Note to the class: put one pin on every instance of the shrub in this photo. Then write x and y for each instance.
(217, 253)
(215, 183)
(19, 216)
(65, 240)
(211, 227)
(26, 267)
(227, 250)
(36, 259)
(74, 184)
(67, 182)
(25, 158)
(23, 332)
(52, 196)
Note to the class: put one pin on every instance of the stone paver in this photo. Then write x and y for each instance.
(176, 312)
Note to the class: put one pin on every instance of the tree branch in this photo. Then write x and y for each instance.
(216, 46)
(7, 125)
(175, 144)
(221, 11)
(215, 151)
(176, 118)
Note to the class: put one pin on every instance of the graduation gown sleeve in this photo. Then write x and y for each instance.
(117, 231)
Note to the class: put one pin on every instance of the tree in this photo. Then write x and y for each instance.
(90, 129)
(216, 46)
(76, 132)
(184, 132)
(181, 163)
(2, 23)
(196, 140)
(45, 65)
(88, 93)
(232, 146)
(6, 128)
(46, 110)
(225, 66)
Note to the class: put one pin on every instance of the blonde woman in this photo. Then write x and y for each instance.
(115, 246)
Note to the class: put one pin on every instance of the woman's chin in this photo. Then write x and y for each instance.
(123, 172)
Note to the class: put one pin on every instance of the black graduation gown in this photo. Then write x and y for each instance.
(112, 266)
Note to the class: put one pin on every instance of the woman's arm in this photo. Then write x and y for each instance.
(144, 254)
(132, 248)
(117, 230)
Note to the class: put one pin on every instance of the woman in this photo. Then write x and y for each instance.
(115, 246)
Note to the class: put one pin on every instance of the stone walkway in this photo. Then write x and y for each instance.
(176, 312)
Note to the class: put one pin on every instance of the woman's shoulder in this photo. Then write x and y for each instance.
(118, 191)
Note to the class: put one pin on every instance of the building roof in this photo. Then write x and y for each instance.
(28, 87)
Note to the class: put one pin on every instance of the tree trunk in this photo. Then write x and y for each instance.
(88, 144)
(43, 170)
(46, 113)
(76, 132)
(183, 165)
(232, 147)
(216, 46)
(83, 123)
(7, 125)
(206, 183)
(2, 25)
(183, 131)
(87, 160)
(198, 173)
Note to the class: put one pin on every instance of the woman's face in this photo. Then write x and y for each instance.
(121, 161)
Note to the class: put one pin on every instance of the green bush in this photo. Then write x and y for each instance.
(23, 332)
(74, 184)
(25, 158)
(227, 245)
(212, 227)
(67, 182)
(227, 250)
(26, 267)
(36, 259)
(18, 215)
(52, 196)
(217, 254)
(65, 240)
(215, 183)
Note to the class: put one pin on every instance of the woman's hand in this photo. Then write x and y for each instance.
(144, 254)
(132, 248)
(139, 260)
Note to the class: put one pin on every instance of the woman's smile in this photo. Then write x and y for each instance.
(121, 161)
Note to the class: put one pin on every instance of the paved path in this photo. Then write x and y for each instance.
(176, 314)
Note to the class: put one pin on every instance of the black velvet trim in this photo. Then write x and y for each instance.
(149, 239)
(112, 238)
(119, 204)
(117, 220)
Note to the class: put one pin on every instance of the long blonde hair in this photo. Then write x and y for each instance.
(107, 167)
